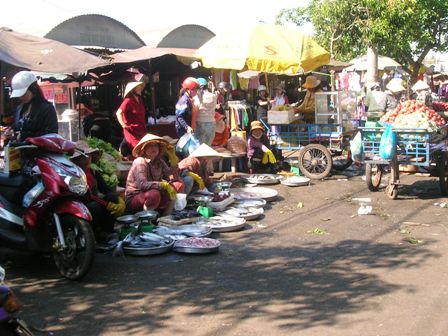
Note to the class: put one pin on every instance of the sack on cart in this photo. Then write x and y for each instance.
(388, 144)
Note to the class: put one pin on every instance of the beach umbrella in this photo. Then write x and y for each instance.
(384, 63)
(263, 47)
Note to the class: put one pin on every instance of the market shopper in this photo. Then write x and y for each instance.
(422, 93)
(394, 95)
(307, 108)
(262, 103)
(184, 106)
(222, 132)
(102, 201)
(150, 184)
(222, 97)
(280, 99)
(203, 121)
(195, 170)
(259, 154)
(35, 116)
(132, 117)
(373, 99)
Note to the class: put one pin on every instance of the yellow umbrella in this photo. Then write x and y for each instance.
(263, 47)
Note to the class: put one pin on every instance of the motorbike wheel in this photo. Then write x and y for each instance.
(74, 261)
(14, 328)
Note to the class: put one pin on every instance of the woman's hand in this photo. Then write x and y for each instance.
(189, 130)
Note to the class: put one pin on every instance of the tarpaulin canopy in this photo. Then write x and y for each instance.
(42, 54)
(361, 63)
(263, 47)
(184, 55)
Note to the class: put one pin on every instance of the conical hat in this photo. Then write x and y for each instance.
(311, 82)
(420, 85)
(205, 151)
(395, 85)
(138, 150)
(131, 86)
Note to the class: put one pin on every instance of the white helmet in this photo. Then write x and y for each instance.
(262, 88)
(20, 83)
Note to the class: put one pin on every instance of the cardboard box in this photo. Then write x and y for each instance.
(281, 117)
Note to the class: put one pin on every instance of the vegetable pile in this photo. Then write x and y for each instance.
(414, 114)
(440, 106)
(107, 169)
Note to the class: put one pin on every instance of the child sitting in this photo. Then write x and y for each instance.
(259, 155)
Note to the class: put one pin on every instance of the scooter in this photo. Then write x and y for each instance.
(41, 208)
(10, 324)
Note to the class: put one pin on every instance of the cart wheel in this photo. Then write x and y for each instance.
(315, 161)
(343, 159)
(374, 173)
(392, 191)
(442, 167)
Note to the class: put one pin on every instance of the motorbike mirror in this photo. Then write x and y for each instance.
(2, 274)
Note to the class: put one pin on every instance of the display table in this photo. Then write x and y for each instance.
(163, 129)
(237, 160)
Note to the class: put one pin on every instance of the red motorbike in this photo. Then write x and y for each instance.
(41, 208)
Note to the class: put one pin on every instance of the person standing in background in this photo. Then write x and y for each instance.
(262, 103)
(280, 99)
(132, 117)
(184, 106)
(222, 96)
(203, 121)
(35, 116)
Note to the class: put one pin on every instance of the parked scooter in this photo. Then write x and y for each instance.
(10, 324)
(41, 208)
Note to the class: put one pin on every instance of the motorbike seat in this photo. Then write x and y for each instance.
(11, 180)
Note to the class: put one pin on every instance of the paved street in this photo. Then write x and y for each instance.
(380, 274)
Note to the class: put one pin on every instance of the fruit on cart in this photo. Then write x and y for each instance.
(440, 106)
(418, 115)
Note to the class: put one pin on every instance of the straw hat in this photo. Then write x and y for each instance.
(395, 85)
(170, 140)
(131, 86)
(205, 151)
(311, 82)
(374, 85)
(256, 125)
(139, 149)
(420, 85)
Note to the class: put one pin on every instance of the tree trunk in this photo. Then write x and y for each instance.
(372, 66)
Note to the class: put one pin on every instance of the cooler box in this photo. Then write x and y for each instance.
(281, 117)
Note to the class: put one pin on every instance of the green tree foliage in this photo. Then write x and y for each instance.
(405, 30)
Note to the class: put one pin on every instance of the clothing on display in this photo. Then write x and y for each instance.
(241, 115)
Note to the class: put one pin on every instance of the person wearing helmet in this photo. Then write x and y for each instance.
(203, 121)
(262, 103)
(35, 116)
(184, 106)
(132, 117)
(222, 96)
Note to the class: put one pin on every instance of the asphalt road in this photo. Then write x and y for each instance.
(320, 269)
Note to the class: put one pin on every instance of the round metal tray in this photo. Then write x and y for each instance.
(196, 250)
(296, 181)
(221, 223)
(267, 194)
(250, 203)
(147, 215)
(127, 219)
(145, 251)
(271, 179)
(252, 214)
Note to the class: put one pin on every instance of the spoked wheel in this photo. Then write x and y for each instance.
(442, 167)
(392, 191)
(315, 161)
(374, 174)
(74, 260)
(343, 159)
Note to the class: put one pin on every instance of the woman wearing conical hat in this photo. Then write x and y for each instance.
(307, 109)
(132, 115)
(150, 184)
(422, 93)
(394, 93)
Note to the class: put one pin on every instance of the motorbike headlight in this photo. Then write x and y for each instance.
(77, 185)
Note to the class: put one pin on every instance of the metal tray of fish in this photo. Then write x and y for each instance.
(250, 203)
(183, 231)
(127, 219)
(225, 223)
(264, 178)
(197, 245)
(247, 213)
(145, 244)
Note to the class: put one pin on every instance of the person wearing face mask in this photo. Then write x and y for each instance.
(184, 106)
(132, 117)
(259, 155)
(35, 116)
(203, 122)
(151, 184)
(222, 132)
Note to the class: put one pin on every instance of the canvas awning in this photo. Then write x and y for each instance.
(184, 55)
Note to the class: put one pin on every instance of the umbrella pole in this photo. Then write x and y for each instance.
(267, 82)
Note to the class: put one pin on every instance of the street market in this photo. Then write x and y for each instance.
(224, 163)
